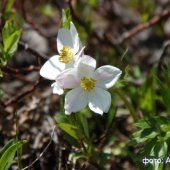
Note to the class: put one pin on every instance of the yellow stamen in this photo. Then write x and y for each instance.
(66, 55)
(87, 84)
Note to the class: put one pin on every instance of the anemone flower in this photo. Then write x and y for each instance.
(69, 49)
(88, 86)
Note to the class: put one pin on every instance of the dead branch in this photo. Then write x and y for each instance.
(141, 27)
(42, 153)
(31, 50)
(21, 95)
(21, 70)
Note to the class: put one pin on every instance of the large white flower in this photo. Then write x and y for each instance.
(68, 46)
(88, 86)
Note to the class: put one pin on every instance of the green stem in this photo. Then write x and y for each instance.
(83, 139)
(127, 103)
(62, 104)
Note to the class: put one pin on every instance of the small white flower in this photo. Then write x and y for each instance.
(88, 86)
(68, 46)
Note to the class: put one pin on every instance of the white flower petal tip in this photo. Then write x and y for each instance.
(75, 100)
(81, 51)
(57, 89)
(78, 56)
(51, 68)
(64, 38)
(68, 37)
(85, 59)
(75, 37)
(99, 101)
(107, 76)
(67, 113)
(86, 66)
(68, 79)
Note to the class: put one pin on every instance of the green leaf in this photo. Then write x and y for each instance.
(83, 123)
(147, 99)
(160, 149)
(8, 155)
(165, 92)
(10, 142)
(66, 18)
(61, 118)
(10, 37)
(143, 123)
(144, 135)
(70, 129)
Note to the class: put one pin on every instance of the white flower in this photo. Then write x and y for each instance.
(68, 46)
(88, 86)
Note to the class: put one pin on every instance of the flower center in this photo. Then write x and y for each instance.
(66, 55)
(87, 84)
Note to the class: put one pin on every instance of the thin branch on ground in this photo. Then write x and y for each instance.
(141, 27)
(31, 68)
(42, 153)
(21, 95)
(31, 50)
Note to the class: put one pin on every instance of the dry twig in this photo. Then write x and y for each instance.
(31, 50)
(42, 153)
(141, 27)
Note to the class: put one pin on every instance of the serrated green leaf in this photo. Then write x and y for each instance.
(165, 127)
(159, 150)
(144, 135)
(8, 155)
(69, 129)
(143, 123)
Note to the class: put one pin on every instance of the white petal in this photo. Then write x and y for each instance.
(52, 68)
(86, 66)
(78, 55)
(107, 76)
(64, 38)
(99, 100)
(80, 44)
(68, 79)
(75, 37)
(67, 113)
(57, 89)
(75, 100)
